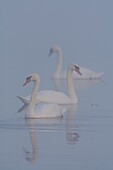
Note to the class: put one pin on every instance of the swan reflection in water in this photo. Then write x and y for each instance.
(31, 156)
(34, 125)
(71, 135)
(68, 122)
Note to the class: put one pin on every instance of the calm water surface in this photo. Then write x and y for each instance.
(81, 140)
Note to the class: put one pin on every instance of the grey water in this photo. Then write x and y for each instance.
(82, 139)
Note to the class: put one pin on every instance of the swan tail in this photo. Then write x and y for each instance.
(23, 99)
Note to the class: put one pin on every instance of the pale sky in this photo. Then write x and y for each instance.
(83, 29)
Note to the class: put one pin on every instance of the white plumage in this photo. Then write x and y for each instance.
(52, 96)
(86, 72)
(42, 110)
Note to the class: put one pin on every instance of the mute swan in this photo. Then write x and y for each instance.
(86, 73)
(42, 110)
(52, 96)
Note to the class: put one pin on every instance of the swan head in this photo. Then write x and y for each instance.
(55, 48)
(32, 77)
(76, 68)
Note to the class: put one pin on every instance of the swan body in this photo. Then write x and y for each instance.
(52, 96)
(42, 110)
(48, 96)
(45, 110)
(86, 73)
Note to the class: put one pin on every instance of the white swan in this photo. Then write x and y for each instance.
(52, 96)
(42, 110)
(86, 73)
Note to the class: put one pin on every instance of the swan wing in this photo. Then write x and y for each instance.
(53, 97)
(48, 96)
(25, 100)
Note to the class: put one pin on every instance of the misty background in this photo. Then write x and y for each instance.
(83, 29)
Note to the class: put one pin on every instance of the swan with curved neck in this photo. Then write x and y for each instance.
(58, 70)
(52, 96)
(86, 73)
(42, 110)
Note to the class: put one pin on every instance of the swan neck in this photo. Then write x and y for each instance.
(33, 98)
(70, 87)
(59, 64)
